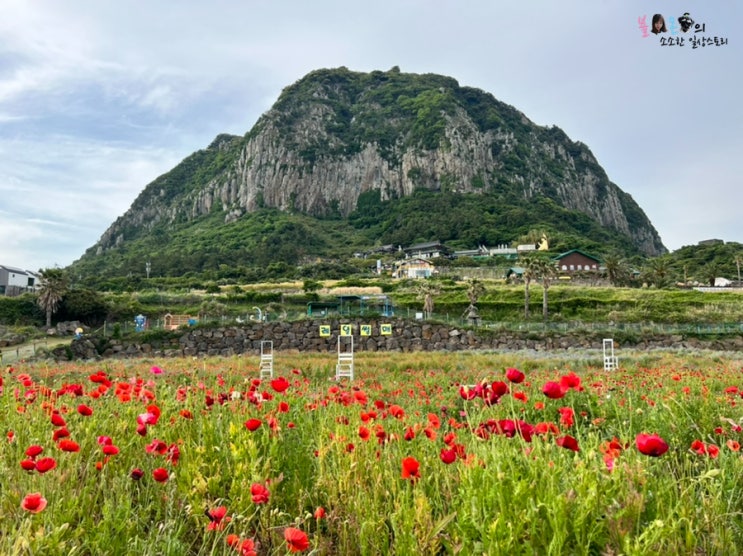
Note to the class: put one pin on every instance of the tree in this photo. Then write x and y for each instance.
(545, 270)
(426, 292)
(211, 308)
(658, 271)
(528, 263)
(616, 270)
(84, 305)
(52, 289)
(311, 286)
(738, 259)
(711, 271)
(475, 289)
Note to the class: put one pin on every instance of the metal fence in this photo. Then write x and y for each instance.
(458, 321)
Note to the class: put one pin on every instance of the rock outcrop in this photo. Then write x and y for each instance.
(337, 134)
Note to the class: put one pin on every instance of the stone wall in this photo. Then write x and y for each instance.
(406, 336)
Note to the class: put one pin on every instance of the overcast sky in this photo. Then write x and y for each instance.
(98, 98)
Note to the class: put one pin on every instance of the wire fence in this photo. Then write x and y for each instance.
(110, 329)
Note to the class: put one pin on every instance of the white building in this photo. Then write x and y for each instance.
(14, 281)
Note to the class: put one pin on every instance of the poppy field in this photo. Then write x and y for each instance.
(423, 453)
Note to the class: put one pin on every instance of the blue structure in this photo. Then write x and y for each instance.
(139, 323)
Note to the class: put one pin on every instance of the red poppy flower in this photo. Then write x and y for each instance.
(364, 433)
(734, 445)
(468, 392)
(514, 375)
(34, 450)
(448, 455)
(397, 412)
(253, 424)
(545, 428)
(136, 473)
(33, 503)
(110, 450)
(28, 464)
(280, 384)
(84, 410)
(218, 517)
(160, 474)
(259, 493)
(58, 420)
(499, 388)
(45, 464)
(283, 407)
(319, 513)
(60, 433)
(67, 445)
(698, 447)
(571, 381)
(553, 390)
(409, 434)
(104, 440)
(651, 444)
(157, 447)
(410, 468)
(246, 547)
(568, 442)
(147, 418)
(612, 449)
(566, 416)
(173, 454)
(296, 539)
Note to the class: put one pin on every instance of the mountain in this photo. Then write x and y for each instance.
(356, 149)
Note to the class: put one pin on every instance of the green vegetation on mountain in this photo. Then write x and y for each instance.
(345, 162)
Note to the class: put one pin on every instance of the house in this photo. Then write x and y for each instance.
(515, 272)
(429, 250)
(503, 250)
(174, 322)
(14, 281)
(576, 260)
(413, 268)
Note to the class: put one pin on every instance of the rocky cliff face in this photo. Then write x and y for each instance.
(336, 134)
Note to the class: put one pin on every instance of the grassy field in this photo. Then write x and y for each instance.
(28, 350)
(425, 453)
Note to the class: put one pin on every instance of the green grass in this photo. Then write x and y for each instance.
(502, 495)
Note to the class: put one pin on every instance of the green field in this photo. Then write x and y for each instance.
(422, 453)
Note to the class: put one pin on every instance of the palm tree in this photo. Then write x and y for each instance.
(616, 270)
(475, 289)
(426, 292)
(711, 271)
(52, 288)
(545, 270)
(658, 270)
(528, 263)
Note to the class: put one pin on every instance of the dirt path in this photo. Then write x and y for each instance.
(19, 352)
